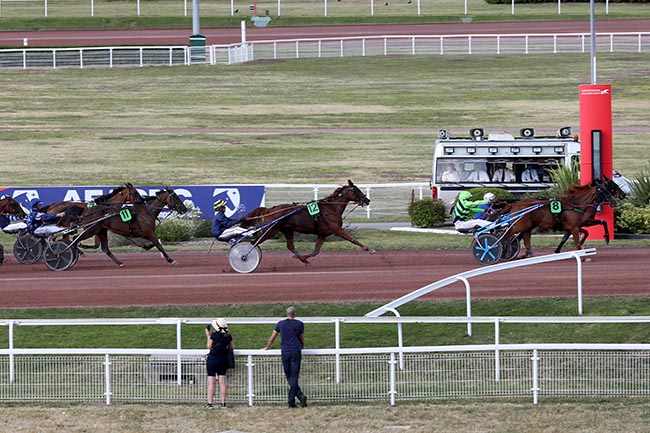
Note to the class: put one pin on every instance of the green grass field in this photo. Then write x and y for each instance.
(298, 121)
(65, 14)
(316, 121)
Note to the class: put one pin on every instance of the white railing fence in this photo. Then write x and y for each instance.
(234, 5)
(387, 200)
(140, 56)
(388, 374)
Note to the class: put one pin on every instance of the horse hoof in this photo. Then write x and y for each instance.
(372, 252)
(586, 259)
(121, 265)
(173, 263)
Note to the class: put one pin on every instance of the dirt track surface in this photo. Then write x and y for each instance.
(216, 36)
(334, 276)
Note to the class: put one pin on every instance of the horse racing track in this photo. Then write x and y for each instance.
(334, 276)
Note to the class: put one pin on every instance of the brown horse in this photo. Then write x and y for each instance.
(137, 221)
(323, 220)
(74, 209)
(568, 218)
(117, 197)
(612, 193)
(9, 206)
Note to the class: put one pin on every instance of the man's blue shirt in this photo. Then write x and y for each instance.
(290, 330)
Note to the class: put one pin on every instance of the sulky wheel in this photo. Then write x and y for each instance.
(60, 255)
(511, 248)
(244, 257)
(487, 249)
(28, 249)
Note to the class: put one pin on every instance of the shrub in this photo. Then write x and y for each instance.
(563, 178)
(640, 186)
(175, 230)
(427, 213)
(499, 193)
(632, 219)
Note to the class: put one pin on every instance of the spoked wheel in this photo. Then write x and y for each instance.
(511, 249)
(28, 249)
(244, 257)
(487, 249)
(60, 256)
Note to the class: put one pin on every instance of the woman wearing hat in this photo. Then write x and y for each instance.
(224, 228)
(218, 342)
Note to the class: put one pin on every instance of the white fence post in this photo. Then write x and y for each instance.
(179, 346)
(535, 389)
(393, 386)
(107, 379)
(337, 346)
(497, 359)
(249, 369)
(12, 372)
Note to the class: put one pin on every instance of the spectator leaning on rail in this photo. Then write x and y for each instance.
(224, 228)
(465, 211)
(292, 341)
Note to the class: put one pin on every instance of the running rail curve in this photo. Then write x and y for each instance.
(465, 276)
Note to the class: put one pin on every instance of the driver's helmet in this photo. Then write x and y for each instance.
(35, 203)
(489, 197)
(219, 204)
(465, 195)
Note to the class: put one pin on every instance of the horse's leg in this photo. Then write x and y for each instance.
(526, 236)
(575, 232)
(103, 240)
(291, 246)
(317, 246)
(154, 240)
(565, 237)
(94, 247)
(340, 232)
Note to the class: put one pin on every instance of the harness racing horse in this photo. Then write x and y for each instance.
(138, 221)
(323, 220)
(9, 206)
(117, 197)
(74, 209)
(564, 213)
(613, 193)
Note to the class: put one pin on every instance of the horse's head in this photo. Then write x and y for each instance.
(133, 194)
(10, 206)
(609, 191)
(351, 192)
(171, 199)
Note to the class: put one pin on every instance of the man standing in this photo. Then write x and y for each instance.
(292, 341)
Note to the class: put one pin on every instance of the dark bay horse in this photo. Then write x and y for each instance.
(568, 217)
(326, 220)
(136, 221)
(9, 206)
(117, 197)
(74, 209)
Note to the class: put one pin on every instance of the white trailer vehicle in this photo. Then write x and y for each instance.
(518, 164)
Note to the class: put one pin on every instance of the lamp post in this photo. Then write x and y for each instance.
(592, 27)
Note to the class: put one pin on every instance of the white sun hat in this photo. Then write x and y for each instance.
(220, 324)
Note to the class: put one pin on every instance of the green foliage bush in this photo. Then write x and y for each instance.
(175, 230)
(632, 219)
(427, 213)
(499, 193)
(640, 186)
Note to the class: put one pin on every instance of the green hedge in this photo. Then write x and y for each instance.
(632, 219)
(427, 213)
